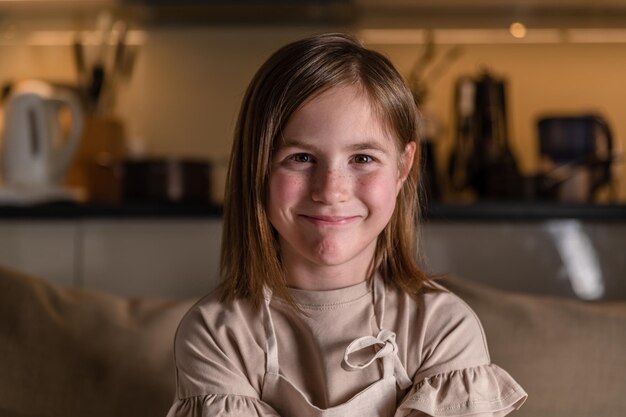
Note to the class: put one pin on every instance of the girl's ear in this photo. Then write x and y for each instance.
(406, 161)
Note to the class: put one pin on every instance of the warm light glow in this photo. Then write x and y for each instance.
(393, 36)
(518, 30)
(456, 36)
(517, 33)
(597, 35)
(67, 37)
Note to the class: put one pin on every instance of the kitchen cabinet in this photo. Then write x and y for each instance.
(390, 12)
(173, 257)
(46, 249)
(561, 257)
(157, 257)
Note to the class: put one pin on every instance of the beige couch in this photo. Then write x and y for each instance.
(69, 353)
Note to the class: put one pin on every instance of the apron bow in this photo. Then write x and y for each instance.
(384, 344)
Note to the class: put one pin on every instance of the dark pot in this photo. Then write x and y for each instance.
(166, 181)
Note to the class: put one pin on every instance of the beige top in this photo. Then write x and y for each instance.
(221, 354)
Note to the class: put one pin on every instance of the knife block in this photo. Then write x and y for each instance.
(96, 168)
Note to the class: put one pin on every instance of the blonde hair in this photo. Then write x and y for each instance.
(297, 72)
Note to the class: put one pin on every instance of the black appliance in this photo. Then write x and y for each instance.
(578, 150)
(481, 159)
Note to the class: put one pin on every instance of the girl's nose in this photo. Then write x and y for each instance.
(329, 186)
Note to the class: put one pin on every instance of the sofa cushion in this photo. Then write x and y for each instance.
(70, 352)
(570, 356)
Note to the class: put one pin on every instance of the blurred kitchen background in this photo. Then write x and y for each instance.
(523, 134)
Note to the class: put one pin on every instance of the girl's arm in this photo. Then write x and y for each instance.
(455, 375)
(216, 369)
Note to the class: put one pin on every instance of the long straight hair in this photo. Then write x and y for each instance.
(296, 73)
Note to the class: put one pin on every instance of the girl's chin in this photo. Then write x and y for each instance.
(332, 251)
(338, 258)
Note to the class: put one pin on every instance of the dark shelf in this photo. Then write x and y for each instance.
(484, 211)
(68, 211)
(522, 211)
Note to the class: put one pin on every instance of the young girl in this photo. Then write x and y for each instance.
(323, 310)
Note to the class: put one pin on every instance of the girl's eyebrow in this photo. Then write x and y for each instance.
(367, 145)
(294, 143)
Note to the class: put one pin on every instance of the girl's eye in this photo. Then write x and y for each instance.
(363, 159)
(301, 157)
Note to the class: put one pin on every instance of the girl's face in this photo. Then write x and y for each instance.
(333, 184)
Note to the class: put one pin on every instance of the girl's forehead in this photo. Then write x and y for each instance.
(344, 103)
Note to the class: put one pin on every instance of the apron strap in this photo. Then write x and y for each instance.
(379, 301)
(271, 361)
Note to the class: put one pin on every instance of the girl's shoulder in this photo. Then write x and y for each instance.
(218, 347)
(447, 314)
(437, 304)
(211, 314)
(437, 320)
(442, 303)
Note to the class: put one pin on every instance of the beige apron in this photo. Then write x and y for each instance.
(377, 400)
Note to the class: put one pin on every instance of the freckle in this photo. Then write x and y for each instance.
(294, 181)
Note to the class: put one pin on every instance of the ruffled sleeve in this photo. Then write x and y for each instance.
(219, 366)
(485, 390)
(221, 405)
(455, 376)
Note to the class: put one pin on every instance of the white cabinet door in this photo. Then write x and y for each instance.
(564, 257)
(44, 249)
(157, 257)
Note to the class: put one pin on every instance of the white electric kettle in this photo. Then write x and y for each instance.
(34, 156)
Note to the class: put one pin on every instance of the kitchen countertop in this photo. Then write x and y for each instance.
(69, 211)
(437, 212)
(511, 211)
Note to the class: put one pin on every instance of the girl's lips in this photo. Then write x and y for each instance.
(329, 220)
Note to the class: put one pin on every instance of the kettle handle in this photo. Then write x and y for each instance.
(604, 171)
(62, 157)
(608, 134)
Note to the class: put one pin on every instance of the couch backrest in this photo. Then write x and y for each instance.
(69, 352)
(570, 356)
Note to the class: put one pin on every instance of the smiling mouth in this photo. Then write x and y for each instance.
(329, 220)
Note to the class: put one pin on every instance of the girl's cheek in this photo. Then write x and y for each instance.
(375, 180)
(378, 189)
(286, 185)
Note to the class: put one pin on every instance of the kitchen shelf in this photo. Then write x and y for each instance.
(511, 211)
(54, 211)
(484, 211)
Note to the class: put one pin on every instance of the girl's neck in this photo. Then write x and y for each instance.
(330, 280)
(305, 275)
